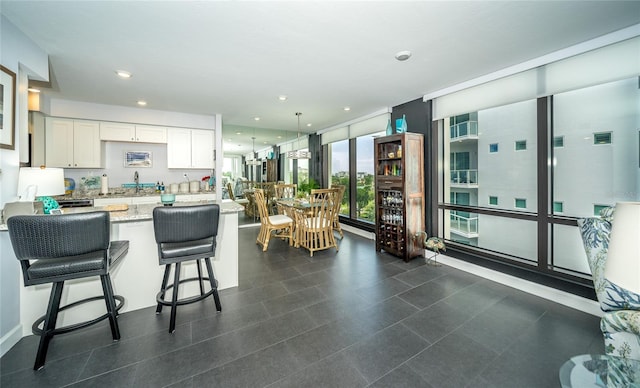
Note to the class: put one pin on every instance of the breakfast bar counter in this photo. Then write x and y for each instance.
(137, 277)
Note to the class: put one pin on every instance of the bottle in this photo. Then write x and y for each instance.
(162, 188)
(157, 186)
(389, 128)
(399, 152)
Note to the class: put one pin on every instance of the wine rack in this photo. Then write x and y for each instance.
(399, 194)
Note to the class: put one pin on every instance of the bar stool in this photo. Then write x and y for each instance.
(57, 248)
(186, 233)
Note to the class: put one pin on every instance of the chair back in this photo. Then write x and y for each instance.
(173, 224)
(285, 191)
(322, 207)
(37, 237)
(230, 191)
(261, 203)
(340, 189)
(248, 185)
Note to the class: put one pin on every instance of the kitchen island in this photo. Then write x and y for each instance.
(137, 277)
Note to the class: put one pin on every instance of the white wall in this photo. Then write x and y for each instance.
(20, 55)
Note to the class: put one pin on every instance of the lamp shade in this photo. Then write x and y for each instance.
(623, 257)
(47, 181)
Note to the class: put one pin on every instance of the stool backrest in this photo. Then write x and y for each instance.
(52, 236)
(173, 224)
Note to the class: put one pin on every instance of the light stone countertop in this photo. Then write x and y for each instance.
(144, 212)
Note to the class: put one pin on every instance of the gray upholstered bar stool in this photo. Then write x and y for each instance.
(57, 248)
(186, 233)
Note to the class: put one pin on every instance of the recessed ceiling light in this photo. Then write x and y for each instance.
(308, 124)
(282, 98)
(346, 108)
(123, 74)
(256, 118)
(34, 90)
(142, 103)
(279, 137)
(238, 133)
(403, 55)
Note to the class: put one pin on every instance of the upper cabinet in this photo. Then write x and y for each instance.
(132, 133)
(73, 143)
(190, 148)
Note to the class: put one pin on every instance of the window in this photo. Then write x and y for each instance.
(339, 169)
(521, 145)
(597, 208)
(493, 200)
(493, 147)
(558, 141)
(602, 138)
(365, 195)
(558, 207)
(521, 203)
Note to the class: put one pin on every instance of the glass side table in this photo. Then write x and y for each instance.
(598, 370)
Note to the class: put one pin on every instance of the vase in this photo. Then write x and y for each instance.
(389, 128)
(401, 125)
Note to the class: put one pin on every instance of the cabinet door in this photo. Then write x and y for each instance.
(151, 134)
(202, 144)
(117, 131)
(86, 144)
(59, 142)
(178, 148)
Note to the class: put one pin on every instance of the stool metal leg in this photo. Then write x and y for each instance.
(49, 324)
(214, 286)
(174, 299)
(200, 277)
(163, 287)
(107, 288)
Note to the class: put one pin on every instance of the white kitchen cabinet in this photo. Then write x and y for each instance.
(73, 143)
(126, 132)
(190, 148)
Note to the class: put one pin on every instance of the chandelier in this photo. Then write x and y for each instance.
(299, 154)
(255, 161)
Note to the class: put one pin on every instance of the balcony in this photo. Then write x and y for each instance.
(464, 178)
(464, 130)
(466, 226)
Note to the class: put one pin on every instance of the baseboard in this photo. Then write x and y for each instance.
(11, 338)
(567, 299)
(357, 231)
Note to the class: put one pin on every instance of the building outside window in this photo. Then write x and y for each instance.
(521, 145)
(493, 147)
(520, 203)
(493, 200)
(602, 138)
(558, 141)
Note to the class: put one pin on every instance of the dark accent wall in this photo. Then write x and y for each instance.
(315, 163)
(419, 117)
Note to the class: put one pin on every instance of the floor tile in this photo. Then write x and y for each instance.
(334, 371)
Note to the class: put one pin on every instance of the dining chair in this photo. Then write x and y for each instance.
(241, 201)
(315, 225)
(250, 209)
(340, 189)
(279, 223)
(285, 191)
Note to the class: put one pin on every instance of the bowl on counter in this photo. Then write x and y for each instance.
(167, 199)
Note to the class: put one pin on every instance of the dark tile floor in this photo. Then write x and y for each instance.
(355, 318)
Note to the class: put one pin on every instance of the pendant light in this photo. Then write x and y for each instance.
(299, 154)
(255, 161)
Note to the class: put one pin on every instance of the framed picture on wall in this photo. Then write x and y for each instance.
(137, 159)
(7, 108)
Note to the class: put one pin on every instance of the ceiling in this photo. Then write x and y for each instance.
(236, 58)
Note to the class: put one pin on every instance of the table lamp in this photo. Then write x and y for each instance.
(40, 183)
(623, 257)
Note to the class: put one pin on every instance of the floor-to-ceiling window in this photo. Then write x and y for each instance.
(365, 195)
(339, 162)
(520, 168)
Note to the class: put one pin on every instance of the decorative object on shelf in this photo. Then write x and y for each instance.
(435, 244)
(167, 199)
(7, 108)
(401, 125)
(299, 154)
(389, 128)
(69, 186)
(40, 183)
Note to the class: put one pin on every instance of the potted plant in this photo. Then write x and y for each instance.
(305, 187)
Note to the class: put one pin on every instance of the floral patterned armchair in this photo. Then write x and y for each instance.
(620, 323)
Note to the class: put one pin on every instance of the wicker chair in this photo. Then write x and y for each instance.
(281, 224)
(336, 213)
(242, 201)
(285, 191)
(315, 226)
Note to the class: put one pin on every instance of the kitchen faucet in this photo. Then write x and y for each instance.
(136, 179)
